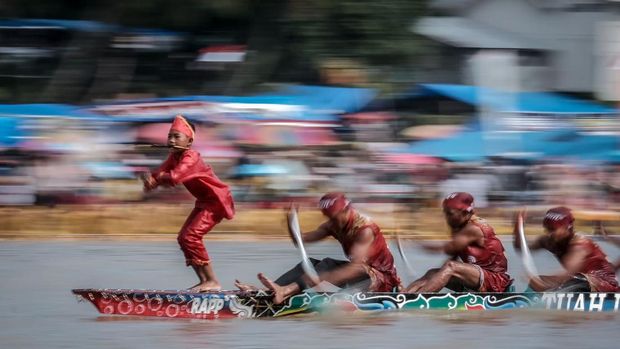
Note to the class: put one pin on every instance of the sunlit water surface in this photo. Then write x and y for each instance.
(37, 309)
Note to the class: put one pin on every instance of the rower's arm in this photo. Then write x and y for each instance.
(572, 262)
(359, 250)
(319, 233)
(536, 244)
(433, 246)
(574, 259)
(599, 229)
(544, 283)
(468, 236)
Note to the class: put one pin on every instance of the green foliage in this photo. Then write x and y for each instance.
(377, 32)
(190, 15)
(289, 40)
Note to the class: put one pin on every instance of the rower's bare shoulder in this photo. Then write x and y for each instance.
(543, 241)
(366, 233)
(578, 242)
(326, 227)
(470, 234)
(472, 229)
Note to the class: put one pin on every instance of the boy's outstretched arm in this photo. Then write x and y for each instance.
(151, 179)
(149, 182)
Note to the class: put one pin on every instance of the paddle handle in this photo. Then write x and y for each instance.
(526, 256)
(296, 232)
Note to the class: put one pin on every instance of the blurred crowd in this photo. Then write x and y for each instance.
(393, 107)
(70, 161)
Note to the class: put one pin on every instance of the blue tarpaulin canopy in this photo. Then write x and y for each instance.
(467, 146)
(579, 146)
(257, 170)
(114, 170)
(328, 98)
(10, 132)
(612, 156)
(308, 104)
(47, 111)
(520, 102)
(471, 146)
(321, 102)
(79, 25)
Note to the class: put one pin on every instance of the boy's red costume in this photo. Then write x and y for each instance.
(213, 198)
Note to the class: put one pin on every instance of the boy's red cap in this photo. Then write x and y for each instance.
(460, 201)
(333, 203)
(558, 217)
(180, 124)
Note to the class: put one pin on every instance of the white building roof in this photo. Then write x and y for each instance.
(462, 32)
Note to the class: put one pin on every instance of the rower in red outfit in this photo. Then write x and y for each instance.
(607, 235)
(483, 264)
(370, 263)
(213, 199)
(586, 268)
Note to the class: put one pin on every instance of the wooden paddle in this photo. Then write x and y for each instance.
(526, 256)
(293, 223)
(403, 256)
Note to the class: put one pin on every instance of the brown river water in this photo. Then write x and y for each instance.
(37, 309)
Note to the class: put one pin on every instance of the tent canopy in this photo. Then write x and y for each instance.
(47, 111)
(11, 134)
(520, 102)
(293, 103)
(472, 146)
(79, 25)
(473, 34)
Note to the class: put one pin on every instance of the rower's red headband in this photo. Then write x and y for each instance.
(180, 124)
(558, 217)
(333, 203)
(460, 201)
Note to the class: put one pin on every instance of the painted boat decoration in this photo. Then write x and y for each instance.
(236, 304)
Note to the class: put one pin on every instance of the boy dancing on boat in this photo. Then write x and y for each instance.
(483, 265)
(370, 265)
(213, 199)
(586, 268)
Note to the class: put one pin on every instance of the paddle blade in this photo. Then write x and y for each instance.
(293, 223)
(325, 286)
(526, 256)
(401, 251)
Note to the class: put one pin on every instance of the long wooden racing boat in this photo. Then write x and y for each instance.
(237, 304)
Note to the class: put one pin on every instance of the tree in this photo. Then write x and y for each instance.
(288, 40)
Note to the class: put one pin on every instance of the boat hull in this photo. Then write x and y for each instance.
(233, 304)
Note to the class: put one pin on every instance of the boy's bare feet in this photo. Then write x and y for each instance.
(206, 287)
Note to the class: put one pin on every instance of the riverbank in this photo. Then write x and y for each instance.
(162, 222)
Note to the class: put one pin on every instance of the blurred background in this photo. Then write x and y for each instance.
(396, 103)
